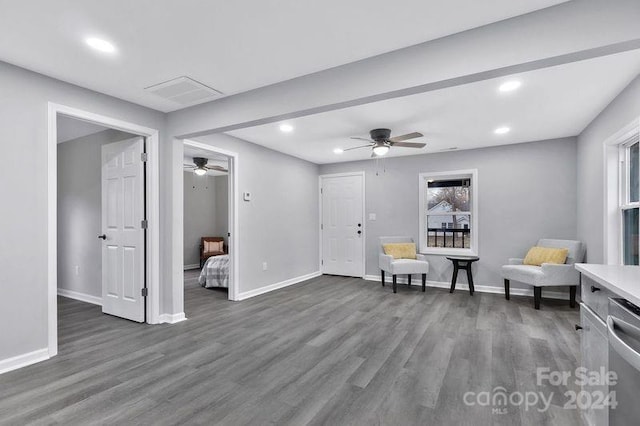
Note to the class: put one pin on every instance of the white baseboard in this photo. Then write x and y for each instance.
(23, 360)
(194, 266)
(276, 286)
(479, 288)
(80, 296)
(172, 318)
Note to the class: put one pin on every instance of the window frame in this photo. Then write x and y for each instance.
(616, 185)
(423, 178)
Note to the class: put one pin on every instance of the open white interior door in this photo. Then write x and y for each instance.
(342, 225)
(123, 238)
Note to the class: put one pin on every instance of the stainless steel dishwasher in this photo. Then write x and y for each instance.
(623, 329)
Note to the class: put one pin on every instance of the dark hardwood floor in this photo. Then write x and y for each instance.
(330, 351)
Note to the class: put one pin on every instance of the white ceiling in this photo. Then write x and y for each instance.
(71, 128)
(214, 159)
(232, 46)
(551, 103)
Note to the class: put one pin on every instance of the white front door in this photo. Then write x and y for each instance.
(342, 225)
(123, 236)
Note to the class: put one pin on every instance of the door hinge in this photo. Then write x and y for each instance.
(322, 262)
(144, 224)
(321, 190)
(145, 292)
(228, 234)
(321, 226)
(144, 157)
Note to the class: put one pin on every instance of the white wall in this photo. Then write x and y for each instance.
(280, 224)
(526, 192)
(79, 212)
(24, 98)
(205, 197)
(590, 166)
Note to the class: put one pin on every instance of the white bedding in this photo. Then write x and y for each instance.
(215, 272)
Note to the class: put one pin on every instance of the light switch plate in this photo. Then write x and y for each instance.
(372, 216)
(246, 196)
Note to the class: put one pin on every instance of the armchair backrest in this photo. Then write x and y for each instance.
(388, 240)
(576, 248)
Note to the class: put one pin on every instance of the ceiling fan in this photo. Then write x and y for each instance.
(200, 166)
(381, 141)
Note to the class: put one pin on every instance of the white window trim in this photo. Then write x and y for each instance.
(422, 185)
(615, 178)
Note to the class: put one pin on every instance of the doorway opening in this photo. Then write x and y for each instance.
(103, 216)
(210, 243)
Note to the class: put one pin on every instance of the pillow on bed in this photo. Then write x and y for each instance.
(213, 246)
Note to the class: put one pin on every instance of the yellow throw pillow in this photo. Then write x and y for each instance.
(539, 255)
(400, 250)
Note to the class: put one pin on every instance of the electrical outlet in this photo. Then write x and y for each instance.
(77, 270)
(264, 266)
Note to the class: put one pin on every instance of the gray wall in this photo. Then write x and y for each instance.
(526, 192)
(24, 98)
(205, 197)
(620, 112)
(280, 224)
(79, 211)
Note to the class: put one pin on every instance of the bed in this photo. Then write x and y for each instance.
(215, 272)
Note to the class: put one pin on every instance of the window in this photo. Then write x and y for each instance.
(630, 199)
(622, 196)
(448, 213)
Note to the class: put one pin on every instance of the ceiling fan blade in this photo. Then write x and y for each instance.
(192, 166)
(361, 139)
(218, 168)
(406, 137)
(357, 147)
(410, 144)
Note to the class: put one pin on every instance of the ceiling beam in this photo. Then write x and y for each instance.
(569, 32)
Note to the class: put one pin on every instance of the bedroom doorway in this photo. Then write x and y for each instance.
(209, 243)
(75, 175)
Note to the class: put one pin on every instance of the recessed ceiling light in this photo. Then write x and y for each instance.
(510, 86)
(287, 128)
(501, 130)
(101, 45)
(338, 151)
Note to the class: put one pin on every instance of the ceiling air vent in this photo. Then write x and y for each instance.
(184, 91)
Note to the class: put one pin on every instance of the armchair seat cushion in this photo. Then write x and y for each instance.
(527, 274)
(408, 266)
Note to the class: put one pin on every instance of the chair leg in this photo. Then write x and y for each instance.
(470, 279)
(395, 283)
(506, 289)
(424, 282)
(572, 295)
(382, 276)
(454, 278)
(409, 280)
(537, 296)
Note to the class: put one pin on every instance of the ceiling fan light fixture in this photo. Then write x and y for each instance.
(200, 171)
(380, 149)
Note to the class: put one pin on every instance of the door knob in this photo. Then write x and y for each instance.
(594, 289)
(578, 327)
(103, 236)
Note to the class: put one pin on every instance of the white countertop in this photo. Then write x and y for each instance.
(621, 280)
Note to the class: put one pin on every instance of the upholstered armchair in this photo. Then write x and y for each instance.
(548, 274)
(211, 246)
(396, 267)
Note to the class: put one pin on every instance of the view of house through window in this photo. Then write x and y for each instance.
(448, 213)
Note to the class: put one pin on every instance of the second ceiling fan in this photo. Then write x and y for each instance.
(381, 141)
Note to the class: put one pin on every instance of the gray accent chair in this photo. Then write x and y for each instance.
(547, 275)
(406, 267)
